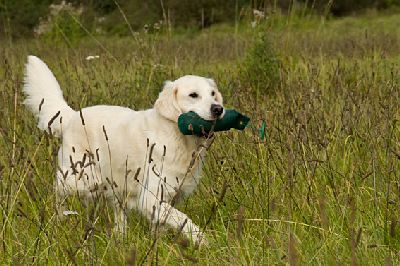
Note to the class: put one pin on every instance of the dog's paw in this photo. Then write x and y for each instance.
(120, 229)
(200, 239)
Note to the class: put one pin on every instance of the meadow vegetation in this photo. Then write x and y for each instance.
(320, 185)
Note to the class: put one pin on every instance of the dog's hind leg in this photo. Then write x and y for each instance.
(61, 196)
(69, 185)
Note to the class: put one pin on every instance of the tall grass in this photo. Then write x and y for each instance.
(322, 187)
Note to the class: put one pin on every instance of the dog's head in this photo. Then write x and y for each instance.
(190, 93)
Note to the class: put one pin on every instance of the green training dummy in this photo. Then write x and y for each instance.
(192, 124)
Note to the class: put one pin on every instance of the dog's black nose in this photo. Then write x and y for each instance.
(216, 110)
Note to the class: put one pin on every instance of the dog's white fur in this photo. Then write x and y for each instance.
(137, 159)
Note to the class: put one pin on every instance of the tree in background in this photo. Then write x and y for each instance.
(19, 17)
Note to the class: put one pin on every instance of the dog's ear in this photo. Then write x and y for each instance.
(218, 95)
(166, 104)
(219, 98)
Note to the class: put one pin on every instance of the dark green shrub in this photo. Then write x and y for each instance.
(19, 17)
(64, 28)
(260, 69)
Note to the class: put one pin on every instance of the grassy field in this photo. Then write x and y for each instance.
(322, 186)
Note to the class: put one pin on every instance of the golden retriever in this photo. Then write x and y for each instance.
(136, 159)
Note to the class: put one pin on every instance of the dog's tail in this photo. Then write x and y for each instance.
(44, 96)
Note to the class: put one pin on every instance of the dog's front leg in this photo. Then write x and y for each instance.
(120, 219)
(163, 213)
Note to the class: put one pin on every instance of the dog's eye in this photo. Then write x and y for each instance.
(213, 93)
(194, 95)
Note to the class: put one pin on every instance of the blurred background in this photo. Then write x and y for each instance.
(27, 18)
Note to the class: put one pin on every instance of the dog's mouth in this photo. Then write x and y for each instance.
(209, 117)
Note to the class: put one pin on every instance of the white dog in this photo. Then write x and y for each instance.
(136, 159)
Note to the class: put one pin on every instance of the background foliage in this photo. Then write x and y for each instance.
(19, 17)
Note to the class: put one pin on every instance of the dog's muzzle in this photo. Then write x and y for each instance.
(216, 110)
